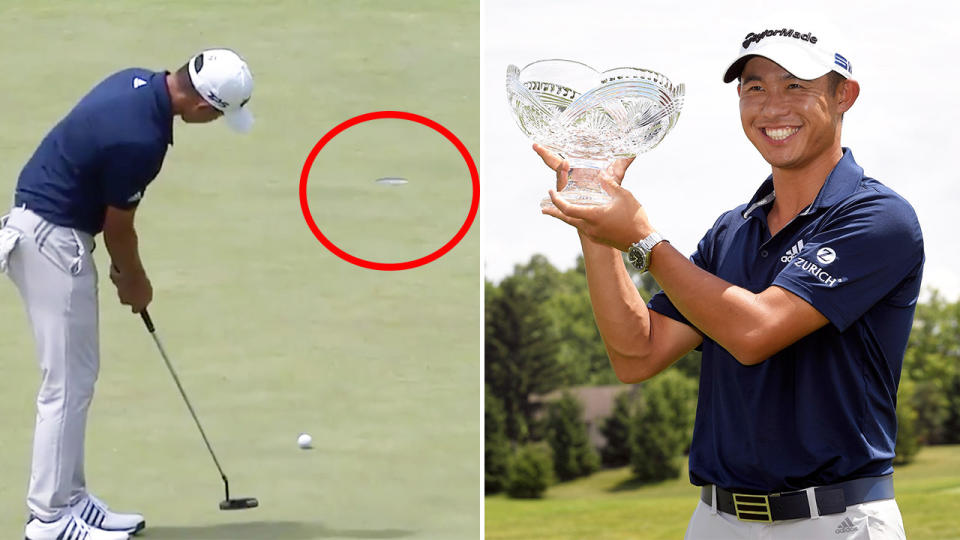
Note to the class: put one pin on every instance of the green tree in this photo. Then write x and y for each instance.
(581, 348)
(573, 455)
(951, 425)
(496, 453)
(908, 441)
(616, 430)
(663, 426)
(932, 361)
(522, 342)
(949, 351)
(530, 472)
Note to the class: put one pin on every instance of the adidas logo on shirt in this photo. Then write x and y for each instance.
(846, 526)
(792, 252)
(135, 197)
(138, 82)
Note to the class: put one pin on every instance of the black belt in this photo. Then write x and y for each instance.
(832, 499)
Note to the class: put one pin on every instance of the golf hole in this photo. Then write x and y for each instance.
(391, 181)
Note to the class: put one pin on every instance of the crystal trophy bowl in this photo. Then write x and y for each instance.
(591, 118)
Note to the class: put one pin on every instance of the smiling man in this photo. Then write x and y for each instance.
(801, 299)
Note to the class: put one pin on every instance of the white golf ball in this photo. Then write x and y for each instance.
(304, 440)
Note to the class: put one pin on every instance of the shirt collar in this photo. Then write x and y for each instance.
(158, 82)
(840, 183)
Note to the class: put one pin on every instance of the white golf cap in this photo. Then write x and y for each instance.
(224, 80)
(803, 54)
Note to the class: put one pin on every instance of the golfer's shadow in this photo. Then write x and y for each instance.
(266, 530)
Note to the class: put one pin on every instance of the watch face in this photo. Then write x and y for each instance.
(636, 257)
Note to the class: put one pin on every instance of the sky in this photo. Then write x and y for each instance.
(902, 129)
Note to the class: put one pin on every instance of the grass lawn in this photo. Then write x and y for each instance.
(273, 335)
(605, 506)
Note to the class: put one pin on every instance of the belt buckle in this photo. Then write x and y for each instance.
(754, 508)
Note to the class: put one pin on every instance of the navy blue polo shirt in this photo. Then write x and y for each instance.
(821, 410)
(103, 153)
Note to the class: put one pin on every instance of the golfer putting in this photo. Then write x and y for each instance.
(802, 300)
(87, 176)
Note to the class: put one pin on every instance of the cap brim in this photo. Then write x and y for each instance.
(736, 68)
(800, 63)
(240, 120)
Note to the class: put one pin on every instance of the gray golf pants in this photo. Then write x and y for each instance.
(55, 274)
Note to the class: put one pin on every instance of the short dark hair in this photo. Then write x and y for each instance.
(184, 81)
(834, 81)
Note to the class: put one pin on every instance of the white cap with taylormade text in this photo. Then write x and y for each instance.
(224, 80)
(803, 54)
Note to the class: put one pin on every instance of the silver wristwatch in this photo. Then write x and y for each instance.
(639, 253)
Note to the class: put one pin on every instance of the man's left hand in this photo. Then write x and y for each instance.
(620, 223)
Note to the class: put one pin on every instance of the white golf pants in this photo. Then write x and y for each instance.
(55, 274)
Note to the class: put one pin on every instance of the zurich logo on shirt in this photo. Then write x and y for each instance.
(826, 255)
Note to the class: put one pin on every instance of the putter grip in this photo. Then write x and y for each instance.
(147, 320)
(143, 314)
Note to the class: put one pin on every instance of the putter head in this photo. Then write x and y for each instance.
(239, 504)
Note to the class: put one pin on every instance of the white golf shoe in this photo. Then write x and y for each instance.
(96, 513)
(68, 527)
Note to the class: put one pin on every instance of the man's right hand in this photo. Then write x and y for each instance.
(134, 290)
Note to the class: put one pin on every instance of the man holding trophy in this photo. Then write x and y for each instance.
(802, 300)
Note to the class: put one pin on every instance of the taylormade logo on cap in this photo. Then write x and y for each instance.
(755, 38)
(224, 81)
(801, 53)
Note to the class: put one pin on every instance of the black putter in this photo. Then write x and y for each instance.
(227, 503)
